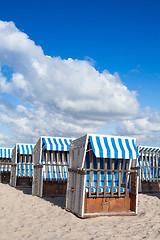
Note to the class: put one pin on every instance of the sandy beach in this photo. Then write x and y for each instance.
(23, 216)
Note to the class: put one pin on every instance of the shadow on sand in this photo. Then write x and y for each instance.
(59, 201)
(25, 190)
(156, 194)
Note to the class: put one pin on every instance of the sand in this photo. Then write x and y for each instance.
(23, 216)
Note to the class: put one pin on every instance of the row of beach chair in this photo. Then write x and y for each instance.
(98, 174)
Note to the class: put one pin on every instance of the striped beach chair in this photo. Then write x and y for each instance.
(51, 161)
(149, 162)
(5, 164)
(22, 165)
(101, 181)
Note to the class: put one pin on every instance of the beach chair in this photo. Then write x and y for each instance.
(101, 180)
(5, 164)
(22, 165)
(149, 162)
(51, 161)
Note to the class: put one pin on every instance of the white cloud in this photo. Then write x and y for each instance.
(145, 127)
(56, 96)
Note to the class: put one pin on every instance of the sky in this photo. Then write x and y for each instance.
(68, 68)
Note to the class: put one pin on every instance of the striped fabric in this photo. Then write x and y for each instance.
(152, 150)
(25, 148)
(149, 157)
(56, 143)
(5, 152)
(101, 183)
(113, 147)
(5, 157)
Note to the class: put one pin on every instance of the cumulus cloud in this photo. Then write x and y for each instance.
(145, 127)
(54, 96)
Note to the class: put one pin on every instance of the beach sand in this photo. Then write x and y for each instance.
(23, 216)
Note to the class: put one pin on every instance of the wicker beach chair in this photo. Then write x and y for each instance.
(51, 161)
(101, 181)
(149, 162)
(5, 164)
(22, 165)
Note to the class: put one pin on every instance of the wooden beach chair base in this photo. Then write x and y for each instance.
(54, 189)
(24, 181)
(113, 206)
(5, 177)
(150, 187)
(110, 206)
(98, 207)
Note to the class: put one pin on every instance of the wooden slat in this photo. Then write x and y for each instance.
(98, 177)
(156, 167)
(105, 177)
(29, 161)
(154, 164)
(67, 160)
(150, 167)
(20, 162)
(9, 162)
(146, 167)
(123, 168)
(112, 175)
(25, 174)
(27, 164)
(119, 177)
(67, 155)
(51, 165)
(62, 167)
(54, 162)
(153, 167)
(91, 172)
(57, 154)
(142, 166)
(46, 153)
(4, 168)
(127, 166)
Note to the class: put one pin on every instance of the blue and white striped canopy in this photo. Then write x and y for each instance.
(25, 148)
(151, 150)
(113, 147)
(57, 143)
(5, 152)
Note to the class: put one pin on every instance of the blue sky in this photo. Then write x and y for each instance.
(119, 36)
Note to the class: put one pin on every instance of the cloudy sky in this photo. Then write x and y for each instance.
(70, 68)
